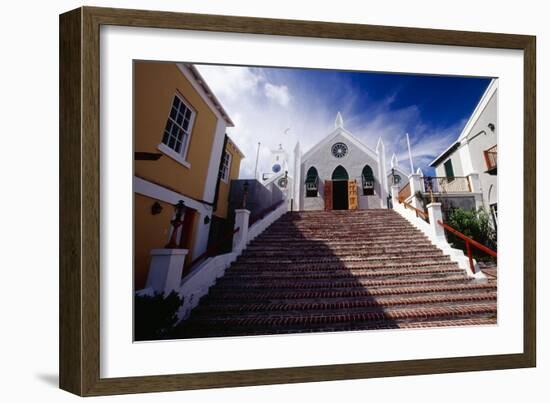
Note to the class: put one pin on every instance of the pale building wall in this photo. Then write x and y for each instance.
(480, 139)
(457, 165)
(469, 157)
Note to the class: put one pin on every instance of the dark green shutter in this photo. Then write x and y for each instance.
(449, 172)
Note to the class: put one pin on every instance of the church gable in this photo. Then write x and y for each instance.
(340, 135)
(340, 157)
(339, 150)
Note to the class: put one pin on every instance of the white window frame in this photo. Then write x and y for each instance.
(226, 167)
(180, 157)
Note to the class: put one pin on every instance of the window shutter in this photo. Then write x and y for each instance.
(449, 172)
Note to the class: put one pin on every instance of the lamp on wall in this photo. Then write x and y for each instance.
(179, 210)
(156, 208)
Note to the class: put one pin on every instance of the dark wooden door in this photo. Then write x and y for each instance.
(328, 195)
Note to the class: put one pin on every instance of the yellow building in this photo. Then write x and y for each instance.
(222, 224)
(179, 142)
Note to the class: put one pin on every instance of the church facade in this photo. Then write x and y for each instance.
(340, 173)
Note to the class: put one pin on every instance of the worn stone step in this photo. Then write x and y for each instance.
(371, 227)
(229, 286)
(331, 305)
(269, 276)
(363, 229)
(487, 320)
(280, 266)
(324, 251)
(368, 315)
(263, 295)
(334, 245)
(340, 270)
(402, 236)
(357, 257)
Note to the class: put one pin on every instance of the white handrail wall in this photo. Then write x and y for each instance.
(197, 283)
(434, 235)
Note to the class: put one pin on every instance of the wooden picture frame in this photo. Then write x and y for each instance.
(79, 200)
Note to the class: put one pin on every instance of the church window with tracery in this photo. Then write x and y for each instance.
(312, 182)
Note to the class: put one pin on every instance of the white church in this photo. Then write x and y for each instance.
(338, 173)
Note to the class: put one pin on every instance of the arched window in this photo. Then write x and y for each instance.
(367, 178)
(340, 174)
(312, 182)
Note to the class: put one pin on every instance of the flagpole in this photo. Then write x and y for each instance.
(410, 153)
(256, 167)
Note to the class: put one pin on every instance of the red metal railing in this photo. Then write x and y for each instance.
(211, 251)
(491, 157)
(469, 243)
(404, 193)
(417, 211)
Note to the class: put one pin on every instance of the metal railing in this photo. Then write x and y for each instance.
(419, 213)
(444, 184)
(469, 243)
(404, 193)
(491, 157)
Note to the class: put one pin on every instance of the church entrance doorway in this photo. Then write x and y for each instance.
(340, 195)
(340, 180)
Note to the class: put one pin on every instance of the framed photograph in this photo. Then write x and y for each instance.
(250, 201)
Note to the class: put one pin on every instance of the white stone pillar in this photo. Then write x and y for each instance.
(242, 217)
(297, 176)
(476, 189)
(435, 214)
(415, 181)
(395, 195)
(166, 269)
(475, 183)
(382, 174)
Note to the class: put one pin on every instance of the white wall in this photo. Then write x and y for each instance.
(30, 182)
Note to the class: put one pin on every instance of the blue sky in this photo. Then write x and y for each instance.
(265, 102)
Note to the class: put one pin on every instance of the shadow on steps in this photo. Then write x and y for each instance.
(339, 271)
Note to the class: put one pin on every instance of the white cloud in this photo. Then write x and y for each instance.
(231, 82)
(258, 102)
(278, 93)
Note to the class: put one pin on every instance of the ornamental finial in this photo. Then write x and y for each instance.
(339, 122)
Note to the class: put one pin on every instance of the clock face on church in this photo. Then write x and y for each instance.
(339, 150)
(276, 168)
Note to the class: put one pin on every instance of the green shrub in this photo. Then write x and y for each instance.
(155, 316)
(473, 223)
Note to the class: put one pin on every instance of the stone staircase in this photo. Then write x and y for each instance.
(323, 271)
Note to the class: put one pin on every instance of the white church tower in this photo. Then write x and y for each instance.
(279, 175)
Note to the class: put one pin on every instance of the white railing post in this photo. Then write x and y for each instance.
(395, 195)
(415, 181)
(165, 270)
(435, 214)
(242, 217)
